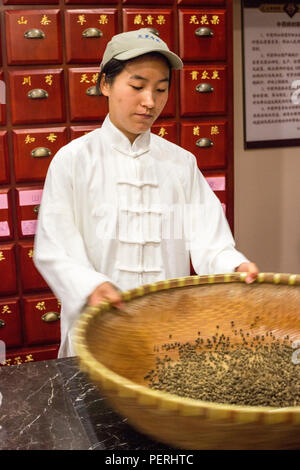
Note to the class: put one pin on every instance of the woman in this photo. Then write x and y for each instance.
(123, 207)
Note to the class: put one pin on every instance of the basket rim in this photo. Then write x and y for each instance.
(165, 400)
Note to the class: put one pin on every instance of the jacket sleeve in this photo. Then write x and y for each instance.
(211, 244)
(59, 252)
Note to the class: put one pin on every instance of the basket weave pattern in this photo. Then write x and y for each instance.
(117, 348)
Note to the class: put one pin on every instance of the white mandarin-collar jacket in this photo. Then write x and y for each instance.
(128, 214)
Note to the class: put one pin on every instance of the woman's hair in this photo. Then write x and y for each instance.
(114, 67)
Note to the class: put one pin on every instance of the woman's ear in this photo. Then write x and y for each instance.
(104, 86)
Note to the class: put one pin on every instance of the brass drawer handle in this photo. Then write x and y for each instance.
(93, 91)
(204, 142)
(34, 33)
(50, 317)
(39, 152)
(92, 33)
(2, 323)
(204, 32)
(37, 94)
(204, 88)
(36, 209)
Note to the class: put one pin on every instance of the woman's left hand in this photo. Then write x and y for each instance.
(251, 269)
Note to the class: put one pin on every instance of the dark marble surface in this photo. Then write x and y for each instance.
(52, 405)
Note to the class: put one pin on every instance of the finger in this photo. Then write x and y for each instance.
(252, 273)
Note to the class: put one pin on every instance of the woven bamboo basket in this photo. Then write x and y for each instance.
(117, 348)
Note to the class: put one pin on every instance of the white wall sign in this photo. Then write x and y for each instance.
(271, 41)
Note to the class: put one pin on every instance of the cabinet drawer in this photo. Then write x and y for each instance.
(28, 203)
(8, 284)
(37, 96)
(6, 227)
(42, 319)
(202, 35)
(2, 100)
(75, 2)
(29, 2)
(84, 103)
(87, 33)
(201, 2)
(217, 182)
(142, 2)
(207, 141)
(34, 150)
(31, 278)
(78, 131)
(203, 90)
(33, 37)
(4, 171)
(160, 20)
(24, 355)
(167, 130)
(10, 323)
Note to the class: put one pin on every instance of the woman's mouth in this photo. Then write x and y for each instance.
(144, 116)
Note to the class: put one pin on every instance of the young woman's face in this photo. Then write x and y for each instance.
(138, 95)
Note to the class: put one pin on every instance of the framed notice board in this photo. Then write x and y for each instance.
(271, 73)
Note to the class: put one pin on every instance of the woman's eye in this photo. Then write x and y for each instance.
(161, 91)
(136, 87)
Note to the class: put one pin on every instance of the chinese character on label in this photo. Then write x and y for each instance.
(204, 19)
(160, 19)
(81, 19)
(138, 19)
(95, 77)
(215, 75)
(149, 19)
(27, 80)
(84, 78)
(2, 257)
(204, 75)
(30, 253)
(22, 20)
(49, 79)
(40, 306)
(103, 19)
(29, 358)
(6, 309)
(162, 132)
(215, 19)
(51, 137)
(194, 19)
(196, 130)
(194, 74)
(45, 20)
(214, 130)
(29, 139)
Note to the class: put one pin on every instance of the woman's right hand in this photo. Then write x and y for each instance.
(105, 292)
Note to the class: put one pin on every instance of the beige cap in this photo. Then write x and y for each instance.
(132, 44)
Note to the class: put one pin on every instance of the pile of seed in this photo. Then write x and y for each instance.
(257, 371)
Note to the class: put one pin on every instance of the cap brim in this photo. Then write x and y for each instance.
(175, 61)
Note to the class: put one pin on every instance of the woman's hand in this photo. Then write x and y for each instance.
(251, 269)
(105, 292)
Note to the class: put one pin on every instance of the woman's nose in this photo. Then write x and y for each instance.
(148, 99)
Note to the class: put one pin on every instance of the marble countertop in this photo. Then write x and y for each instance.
(51, 405)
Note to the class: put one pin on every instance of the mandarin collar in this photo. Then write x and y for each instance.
(122, 144)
